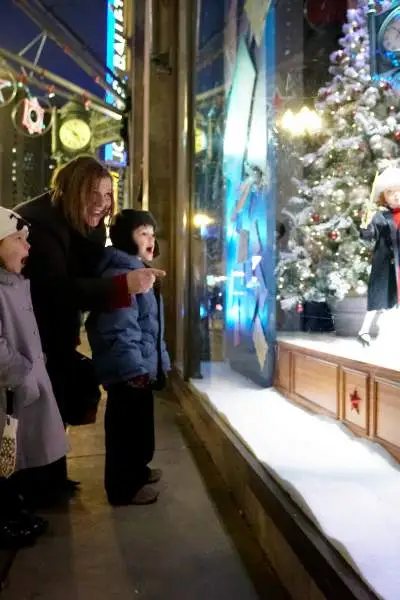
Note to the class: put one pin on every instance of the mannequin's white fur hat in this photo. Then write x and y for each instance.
(389, 178)
(10, 222)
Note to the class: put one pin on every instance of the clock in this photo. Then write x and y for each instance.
(384, 39)
(389, 35)
(75, 134)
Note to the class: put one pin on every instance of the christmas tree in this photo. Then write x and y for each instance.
(326, 260)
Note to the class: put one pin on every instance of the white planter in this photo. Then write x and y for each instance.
(348, 315)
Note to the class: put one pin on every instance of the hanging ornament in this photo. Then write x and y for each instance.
(316, 218)
(33, 116)
(299, 308)
(396, 136)
(334, 236)
(8, 87)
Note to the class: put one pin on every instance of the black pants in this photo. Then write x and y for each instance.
(129, 436)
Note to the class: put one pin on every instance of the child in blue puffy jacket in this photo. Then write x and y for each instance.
(130, 359)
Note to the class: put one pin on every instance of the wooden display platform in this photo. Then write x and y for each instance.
(338, 378)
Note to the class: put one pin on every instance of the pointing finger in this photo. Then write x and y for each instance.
(157, 272)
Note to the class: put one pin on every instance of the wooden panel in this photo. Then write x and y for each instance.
(283, 368)
(355, 398)
(316, 380)
(387, 416)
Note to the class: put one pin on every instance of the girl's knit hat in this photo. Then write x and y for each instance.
(389, 178)
(123, 226)
(11, 222)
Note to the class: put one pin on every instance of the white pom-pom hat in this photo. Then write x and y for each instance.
(388, 179)
(11, 222)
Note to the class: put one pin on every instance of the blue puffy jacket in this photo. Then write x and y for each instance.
(124, 341)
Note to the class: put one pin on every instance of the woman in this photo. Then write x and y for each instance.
(67, 237)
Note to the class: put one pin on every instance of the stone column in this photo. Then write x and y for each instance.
(155, 132)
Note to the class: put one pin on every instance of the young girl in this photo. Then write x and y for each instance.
(23, 378)
(131, 360)
(383, 228)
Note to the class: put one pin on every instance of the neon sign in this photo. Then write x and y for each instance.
(116, 60)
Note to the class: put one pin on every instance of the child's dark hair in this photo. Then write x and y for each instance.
(123, 226)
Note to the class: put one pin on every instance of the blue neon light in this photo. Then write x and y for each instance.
(108, 153)
(110, 36)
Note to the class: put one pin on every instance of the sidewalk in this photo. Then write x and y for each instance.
(181, 548)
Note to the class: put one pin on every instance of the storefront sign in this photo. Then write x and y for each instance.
(116, 60)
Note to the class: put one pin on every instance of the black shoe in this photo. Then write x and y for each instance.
(37, 524)
(14, 534)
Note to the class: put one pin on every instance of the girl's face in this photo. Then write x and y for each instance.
(392, 197)
(99, 202)
(14, 250)
(145, 239)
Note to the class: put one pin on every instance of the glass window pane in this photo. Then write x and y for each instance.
(233, 204)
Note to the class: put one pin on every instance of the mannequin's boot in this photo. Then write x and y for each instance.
(364, 339)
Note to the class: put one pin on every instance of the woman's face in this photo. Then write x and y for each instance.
(99, 202)
(392, 197)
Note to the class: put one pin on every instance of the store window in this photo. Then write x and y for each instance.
(233, 202)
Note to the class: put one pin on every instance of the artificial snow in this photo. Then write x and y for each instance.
(383, 351)
(349, 486)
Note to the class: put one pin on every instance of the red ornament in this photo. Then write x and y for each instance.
(277, 101)
(396, 136)
(355, 401)
(299, 308)
(316, 218)
(333, 235)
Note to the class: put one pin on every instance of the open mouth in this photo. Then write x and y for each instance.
(150, 249)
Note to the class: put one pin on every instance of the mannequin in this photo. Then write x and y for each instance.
(382, 227)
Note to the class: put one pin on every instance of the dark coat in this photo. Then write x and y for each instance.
(124, 342)
(383, 281)
(62, 268)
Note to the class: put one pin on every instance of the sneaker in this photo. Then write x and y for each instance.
(154, 475)
(146, 495)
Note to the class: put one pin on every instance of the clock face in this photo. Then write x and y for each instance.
(75, 134)
(391, 35)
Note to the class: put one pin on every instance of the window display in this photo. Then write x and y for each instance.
(280, 263)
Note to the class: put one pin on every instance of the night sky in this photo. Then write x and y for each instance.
(86, 17)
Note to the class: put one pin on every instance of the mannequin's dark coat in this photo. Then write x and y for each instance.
(383, 282)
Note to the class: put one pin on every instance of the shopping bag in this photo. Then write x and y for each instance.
(8, 443)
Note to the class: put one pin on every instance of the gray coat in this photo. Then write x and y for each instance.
(41, 437)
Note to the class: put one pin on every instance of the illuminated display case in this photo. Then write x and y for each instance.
(234, 196)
